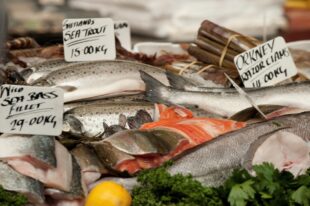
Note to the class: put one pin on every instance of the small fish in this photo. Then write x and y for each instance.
(88, 120)
(97, 80)
(228, 103)
(13, 181)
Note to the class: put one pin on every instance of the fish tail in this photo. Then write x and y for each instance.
(177, 81)
(155, 91)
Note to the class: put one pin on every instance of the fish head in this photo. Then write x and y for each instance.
(73, 125)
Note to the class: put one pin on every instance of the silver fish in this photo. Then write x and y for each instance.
(89, 120)
(41, 70)
(212, 162)
(95, 80)
(13, 181)
(229, 103)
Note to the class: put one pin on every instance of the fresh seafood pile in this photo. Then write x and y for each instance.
(130, 114)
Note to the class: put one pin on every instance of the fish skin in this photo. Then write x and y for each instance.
(93, 116)
(13, 181)
(95, 80)
(35, 72)
(137, 98)
(40, 149)
(212, 162)
(227, 104)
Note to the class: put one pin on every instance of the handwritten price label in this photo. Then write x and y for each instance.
(89, 39)
(31, 110)
(266, 64)
(122, 32)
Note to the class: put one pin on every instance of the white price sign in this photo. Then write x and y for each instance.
(89, 39)
(266, 64)
(122, 32)
(31, 110)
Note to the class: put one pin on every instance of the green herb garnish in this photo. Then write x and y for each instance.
(11, 198)
(268, 187)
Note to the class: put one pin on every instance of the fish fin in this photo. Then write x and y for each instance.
(246, 96)
(155, 90)
(122, 120)
(144, 116)
(76, 126)
(67, 88)
(177, 81)
(26, 73)
(132, 123)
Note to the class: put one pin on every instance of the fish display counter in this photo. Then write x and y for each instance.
(157, 128)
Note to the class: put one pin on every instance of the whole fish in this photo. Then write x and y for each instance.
(38, 71)
(96, 80)
(13, 181)
(229, 103)
(91, 119)
(211, 163)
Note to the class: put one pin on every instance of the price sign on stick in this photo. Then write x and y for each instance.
(266, 64)
(31, 110)
(122, 32)
(89, 39)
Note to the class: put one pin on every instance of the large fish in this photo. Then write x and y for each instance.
(38, 71)
(94, 80)
(229, 103)
(211, 163)
(13, 181)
